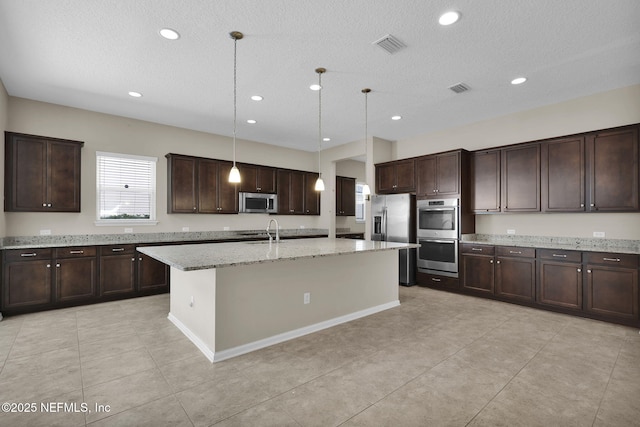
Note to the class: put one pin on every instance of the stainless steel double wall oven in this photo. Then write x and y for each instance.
(438, 231)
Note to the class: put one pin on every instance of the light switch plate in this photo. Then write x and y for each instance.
(185, 228)
(511, 231)
(598, 234)
(45, 232)
(128, 230)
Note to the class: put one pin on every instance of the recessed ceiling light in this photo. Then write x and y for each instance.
(518, 81)
(449, 18)
(135, 94)
(326, 139)
(251, 122)
(315, 87)
(396, 117)
(257, 98)
(169, 34)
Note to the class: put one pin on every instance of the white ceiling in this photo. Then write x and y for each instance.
(89, 53)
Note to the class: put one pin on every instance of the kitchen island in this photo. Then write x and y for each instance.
(233, 298)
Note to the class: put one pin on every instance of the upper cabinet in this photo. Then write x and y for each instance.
(199, 185)
(345, 196)
(311, 196)
(439, 175)
(257, 179)
(41, 174)
(520, 182)
(612, 165)
(485, 181)
(291, 192)
(563, 172)
(395, 177)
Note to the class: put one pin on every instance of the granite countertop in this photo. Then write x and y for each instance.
(33, 242)
(216, 255)
(565, 243)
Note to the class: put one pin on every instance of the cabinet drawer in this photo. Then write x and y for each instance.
(514, 251)
(13, 255)
(76, 252)
(117, 250)
(469, 248)
(560, 255)
(612, 259)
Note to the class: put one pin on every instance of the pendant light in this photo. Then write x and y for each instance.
(319, 182)
(234, 174)
(366, 191)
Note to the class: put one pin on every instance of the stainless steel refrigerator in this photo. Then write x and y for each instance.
(393, 220)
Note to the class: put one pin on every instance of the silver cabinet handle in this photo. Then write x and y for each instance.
(57, 265)
(76, 252)
(44, 205)
(611, 259)
(497, 262)
(582, 205)
(592, 204)
(133, 259)
(48, 265)
(589, 271)
(477, 249)
(29, 255)
(435, 279)
(117, 249)
(515, 252)
(48, 205)
(559, 255)
(140, 259)
(579, 270)
(490, 261)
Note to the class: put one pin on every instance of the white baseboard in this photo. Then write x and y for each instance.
(276, 339)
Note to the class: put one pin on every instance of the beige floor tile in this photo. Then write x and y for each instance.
(173, 351)
(111, 346)
(266, 414)
(126, 393)
(102, 332)
(164, 412)
(188, 373)
(105, 369)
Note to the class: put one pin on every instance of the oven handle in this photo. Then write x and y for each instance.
(439, 241)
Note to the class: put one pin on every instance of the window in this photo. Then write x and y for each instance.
(360, 203)
(126, 189)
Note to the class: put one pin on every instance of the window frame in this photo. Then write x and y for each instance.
(363, 203)
(152, 220)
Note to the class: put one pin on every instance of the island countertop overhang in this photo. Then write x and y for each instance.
(218, 255)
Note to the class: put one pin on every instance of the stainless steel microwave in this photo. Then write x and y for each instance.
(258, 203)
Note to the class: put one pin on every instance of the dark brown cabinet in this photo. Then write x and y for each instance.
(257, 179)
(438, 175)
(485, 181)
(477, 267)
(345, 196)
(395, 177)
(559, 278)
(520, 182)
(612, 164)
(26, 278)
(117, 269)
(563, 175)
(41, 174)
(311, 196)
(76, 271)
(515, 273)
(291, 192)
(611, 284)
(152, 274)
(199, 185)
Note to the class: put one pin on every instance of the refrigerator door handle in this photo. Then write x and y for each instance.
(384, 224)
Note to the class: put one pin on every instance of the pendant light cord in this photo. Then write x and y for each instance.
(235, 50)
(319, 121)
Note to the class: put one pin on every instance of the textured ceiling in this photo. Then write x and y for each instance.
(89, 53)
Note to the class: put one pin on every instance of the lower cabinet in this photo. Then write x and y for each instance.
(26, 279)
(560, 279)
(76, 271)
(437, 281)
(117, 269)
(477, 268)
(153, 275)
(611, 285)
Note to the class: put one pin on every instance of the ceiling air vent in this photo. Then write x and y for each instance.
(390, 44)
(459, 88)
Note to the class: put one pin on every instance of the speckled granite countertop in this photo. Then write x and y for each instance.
(566, 243)
(26, 242)
(216, 255)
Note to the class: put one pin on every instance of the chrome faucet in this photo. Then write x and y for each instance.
(277, 230)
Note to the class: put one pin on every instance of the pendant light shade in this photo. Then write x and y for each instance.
(234, 174)
(366, 191)
(319, 182)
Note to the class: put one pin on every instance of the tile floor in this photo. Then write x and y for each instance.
(438, 359)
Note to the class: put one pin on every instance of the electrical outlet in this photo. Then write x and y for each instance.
(191, 302)
(302, 227)
(226, 228)
(511, 231)
(598, 234)
(307, 297)
(128, 230)
(45, 232)
(185, 228)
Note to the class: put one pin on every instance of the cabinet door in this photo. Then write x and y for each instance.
(612, 291)
(560, 284)
(27, 181)
(563, 165)
(485, 181)
(448, 174)
(296, 195)
(613, 170)
(284, 191)
(249, 178)
(521, 178)
(26, 284)
(426, 184)
(183, 185)
(477, 273)
(207, 180)
(117, 274)
(76, 278)
(63, 177)
(266, 180)
(311, 196)
(385, 179)
(405, 176)
(516, 278)
(227, 193)
(345, 196)
(152, 274)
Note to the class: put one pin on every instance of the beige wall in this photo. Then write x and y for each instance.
(609, 109)
(102, 132)
(4, 115)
